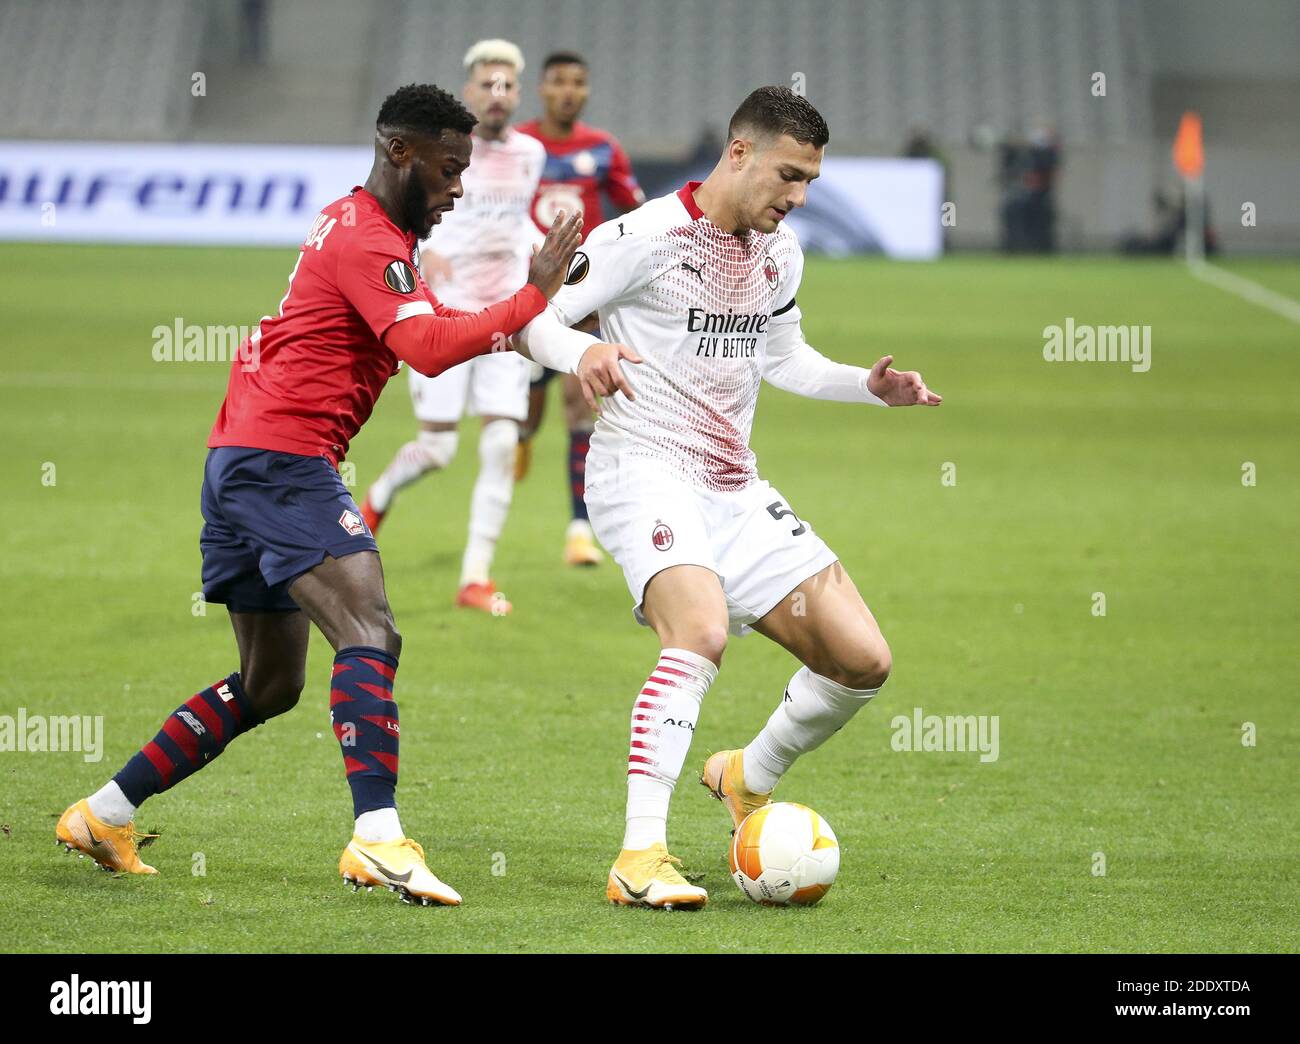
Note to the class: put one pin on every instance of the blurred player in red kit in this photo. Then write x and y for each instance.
(582, 162)
(283, 542)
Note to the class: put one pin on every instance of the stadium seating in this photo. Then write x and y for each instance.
(85, 69)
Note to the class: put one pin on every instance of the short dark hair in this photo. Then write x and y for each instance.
(424, 109)
(777, 111)
(562, 58)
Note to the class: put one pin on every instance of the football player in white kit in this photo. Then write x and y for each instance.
(482, 247)
(701, 285)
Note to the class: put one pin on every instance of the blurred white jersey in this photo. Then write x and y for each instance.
(697, 303)
(489, 236)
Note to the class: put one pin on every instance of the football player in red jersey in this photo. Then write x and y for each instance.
(283, 542)
(582, 162)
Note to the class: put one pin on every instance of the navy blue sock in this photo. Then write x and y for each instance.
(365, 721)
(197, 731)
(579, 443)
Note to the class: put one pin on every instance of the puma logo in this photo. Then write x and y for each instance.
(698, 272)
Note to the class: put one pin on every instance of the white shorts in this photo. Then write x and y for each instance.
(487, 386)
(648, 520)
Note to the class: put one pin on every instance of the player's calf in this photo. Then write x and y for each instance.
(812, 709)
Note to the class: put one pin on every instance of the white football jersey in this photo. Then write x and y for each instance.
(489, 236)
(698, 304)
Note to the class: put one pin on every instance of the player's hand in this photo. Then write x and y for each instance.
(899, 389)
(551, 260)
(600, 372)
(435, 268)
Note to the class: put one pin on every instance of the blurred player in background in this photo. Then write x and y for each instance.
(581, 164)
(702, 285)
(283, 543)
(482, 248)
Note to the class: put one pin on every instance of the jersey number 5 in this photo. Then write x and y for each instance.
(779, 511)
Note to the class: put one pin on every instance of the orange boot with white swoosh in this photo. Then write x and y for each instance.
(398, 866)
(114, 848)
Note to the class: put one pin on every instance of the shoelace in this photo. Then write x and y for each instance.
(139, 836)
(414, 845)
(669, 863)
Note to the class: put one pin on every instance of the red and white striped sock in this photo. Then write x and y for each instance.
(663, 722)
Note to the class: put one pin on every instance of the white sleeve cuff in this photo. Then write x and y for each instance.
(551, 343)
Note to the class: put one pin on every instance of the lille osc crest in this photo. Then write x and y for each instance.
(352, 523)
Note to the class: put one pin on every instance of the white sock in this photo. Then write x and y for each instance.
(428, 451)
(381, 824)
(579, 527)
(812, 709)
(110, 805)
(663, 723)
(491, 501)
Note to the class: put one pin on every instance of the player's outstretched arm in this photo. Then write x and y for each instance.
(793, 365)
(441, 338)
(432, 343)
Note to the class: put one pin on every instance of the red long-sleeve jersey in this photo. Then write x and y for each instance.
(578, 168)
(308, 377)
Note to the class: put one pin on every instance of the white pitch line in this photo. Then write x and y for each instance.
(1248, 289)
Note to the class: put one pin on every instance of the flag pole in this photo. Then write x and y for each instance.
(1194, 225)
(1189, 160)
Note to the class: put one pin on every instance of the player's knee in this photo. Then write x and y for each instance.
(496, 445)
(274, 693)
(704, 639)
(437, 448)
(386, 636)
(373, 628)
(864, 665)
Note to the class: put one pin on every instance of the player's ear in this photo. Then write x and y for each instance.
(738, 152)
(397, 150)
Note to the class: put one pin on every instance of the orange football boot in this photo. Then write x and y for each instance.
(115, 849)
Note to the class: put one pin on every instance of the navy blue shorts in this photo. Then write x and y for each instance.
(269, 517)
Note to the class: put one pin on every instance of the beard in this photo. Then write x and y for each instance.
(414, 214)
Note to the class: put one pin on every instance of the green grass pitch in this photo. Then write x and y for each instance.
(1119, 734)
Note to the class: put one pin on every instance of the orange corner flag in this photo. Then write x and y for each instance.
(1189, 149)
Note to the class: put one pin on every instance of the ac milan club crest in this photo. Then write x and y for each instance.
(770, 272)
(661, 537)
(351, 522)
